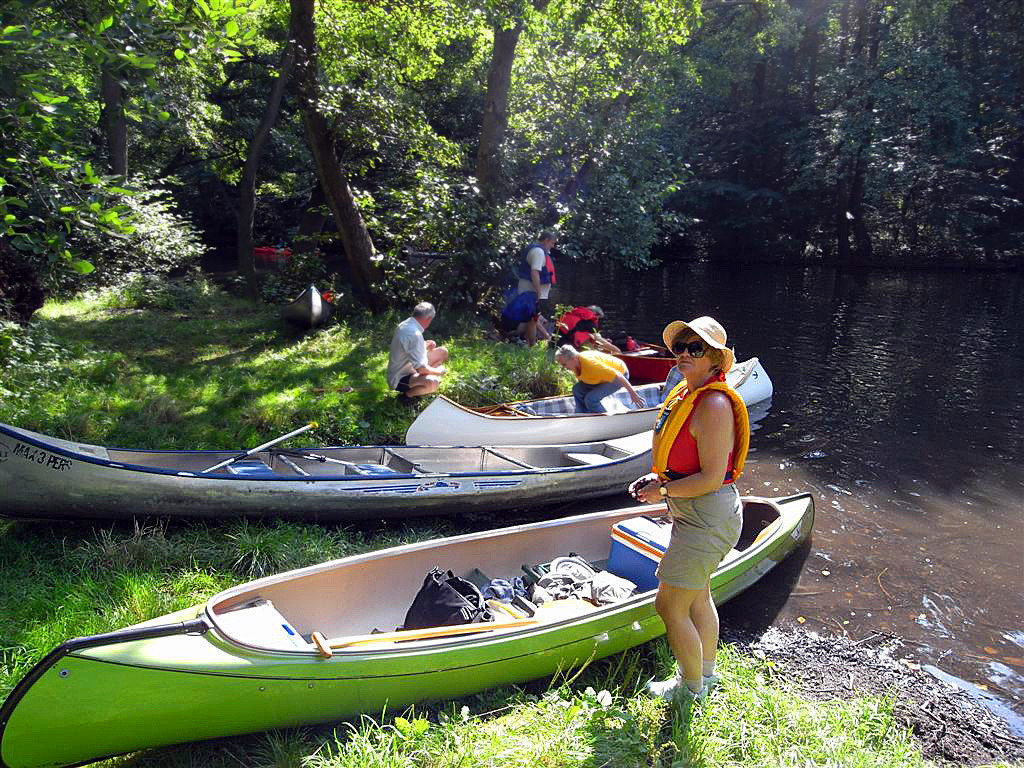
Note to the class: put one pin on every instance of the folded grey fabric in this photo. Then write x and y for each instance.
(574, 577)
(606, 588)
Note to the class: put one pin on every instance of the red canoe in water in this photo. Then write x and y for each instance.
(649, 364)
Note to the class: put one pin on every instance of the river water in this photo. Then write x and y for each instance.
(899, 403)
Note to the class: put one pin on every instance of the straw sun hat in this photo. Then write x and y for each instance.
(708, 329)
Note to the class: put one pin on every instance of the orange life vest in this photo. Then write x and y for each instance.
(675, 412)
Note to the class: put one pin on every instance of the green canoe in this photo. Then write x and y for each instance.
(296, 648)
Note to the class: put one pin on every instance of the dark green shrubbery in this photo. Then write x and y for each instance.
(161, 242)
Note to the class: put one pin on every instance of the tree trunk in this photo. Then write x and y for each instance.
(355, 238)
(863, 250)
(113, 122)
(312, 222)
(495, 117)
(759, 83)
(868, 34)
(247, 187)
(810, 46)
(844, 31)
(619, 105)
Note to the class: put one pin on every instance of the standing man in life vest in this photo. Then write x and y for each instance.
(536, 270)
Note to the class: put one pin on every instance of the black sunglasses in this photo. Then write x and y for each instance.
(695, 348)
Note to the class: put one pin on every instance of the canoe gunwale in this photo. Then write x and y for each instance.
(752, 362)
(306, 480)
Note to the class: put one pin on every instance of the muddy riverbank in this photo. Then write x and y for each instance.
(952, 723)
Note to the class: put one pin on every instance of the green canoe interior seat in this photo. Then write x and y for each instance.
(257, 622)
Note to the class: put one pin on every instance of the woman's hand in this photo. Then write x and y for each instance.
(645, 489)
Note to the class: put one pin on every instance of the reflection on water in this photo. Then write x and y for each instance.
(899, 402)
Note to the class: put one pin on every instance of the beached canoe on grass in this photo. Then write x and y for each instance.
(45, 477)
(308, 309)
(248, 659)
(553, 420)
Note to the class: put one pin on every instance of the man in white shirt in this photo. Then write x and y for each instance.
(415, 366)
(536, 271)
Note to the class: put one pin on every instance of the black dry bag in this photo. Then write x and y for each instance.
(446, 599)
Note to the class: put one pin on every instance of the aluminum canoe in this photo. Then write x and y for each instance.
(46, 477)
(308, 309)
(553, 420)
(247, 660)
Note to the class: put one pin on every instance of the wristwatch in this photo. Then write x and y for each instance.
(662, 489)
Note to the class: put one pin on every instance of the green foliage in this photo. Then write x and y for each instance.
(51, 187)
(297, 274)
(159, 242)
(805, 125)
(144, 290)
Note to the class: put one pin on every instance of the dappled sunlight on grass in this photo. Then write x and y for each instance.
(226, 374)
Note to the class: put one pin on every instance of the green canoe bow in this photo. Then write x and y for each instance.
(182, 678)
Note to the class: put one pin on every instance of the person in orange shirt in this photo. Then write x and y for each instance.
(598, 374)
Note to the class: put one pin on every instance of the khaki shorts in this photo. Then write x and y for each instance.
(704, 529)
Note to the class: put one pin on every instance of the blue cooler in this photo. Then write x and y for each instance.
(637, 546)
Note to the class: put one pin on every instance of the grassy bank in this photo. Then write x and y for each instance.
(204, 370)
(196, 369)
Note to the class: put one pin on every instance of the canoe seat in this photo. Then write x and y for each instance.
(583, 459)
(260, 624)
(251, 468)
(374, 470)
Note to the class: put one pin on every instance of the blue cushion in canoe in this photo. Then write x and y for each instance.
(376, 469)
(251, 468)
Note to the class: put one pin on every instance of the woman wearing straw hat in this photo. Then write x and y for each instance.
(701, 439)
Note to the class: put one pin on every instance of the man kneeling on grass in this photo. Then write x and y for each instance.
(415, 366)
(598, 375)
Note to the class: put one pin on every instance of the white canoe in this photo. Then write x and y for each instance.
(45, 477)
(553, 421)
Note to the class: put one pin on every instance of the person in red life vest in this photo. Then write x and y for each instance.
(598, 375)
(579, 326)
(701, 438)
(536, 270)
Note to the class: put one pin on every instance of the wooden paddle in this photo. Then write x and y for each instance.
(327, 647)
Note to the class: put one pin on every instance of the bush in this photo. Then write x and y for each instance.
(294, 277)
(148, 291)
(161, 242)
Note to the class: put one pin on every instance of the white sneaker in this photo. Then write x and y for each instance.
(665, 689)
(710, 682)
(674, 687)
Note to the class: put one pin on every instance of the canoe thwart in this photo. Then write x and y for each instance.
(322, 646)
